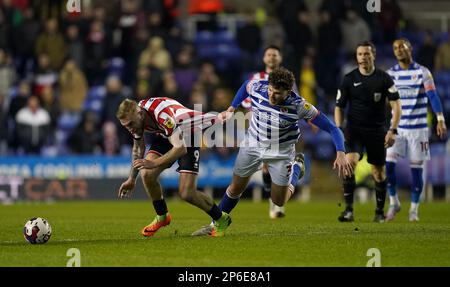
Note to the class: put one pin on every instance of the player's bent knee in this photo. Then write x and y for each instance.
(149, 175)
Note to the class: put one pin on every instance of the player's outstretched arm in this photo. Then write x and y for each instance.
(435, 101)
(226, 115)
(127, 187)
(240, 96)
(341, 163)
(178, 150)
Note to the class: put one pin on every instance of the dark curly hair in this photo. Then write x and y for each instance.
(281, 78)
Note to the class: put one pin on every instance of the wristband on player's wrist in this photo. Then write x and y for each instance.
(394, 131)
(440, 118)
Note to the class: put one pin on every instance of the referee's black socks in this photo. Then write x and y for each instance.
(349, 185)
(380, 193)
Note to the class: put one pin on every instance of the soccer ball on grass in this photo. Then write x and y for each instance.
(37, 230)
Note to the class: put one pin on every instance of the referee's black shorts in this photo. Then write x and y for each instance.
(371, 141)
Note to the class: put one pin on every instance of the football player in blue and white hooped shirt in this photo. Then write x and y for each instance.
(272, 135)
(415, 86)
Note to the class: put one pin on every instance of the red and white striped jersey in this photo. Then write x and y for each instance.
(167, 115)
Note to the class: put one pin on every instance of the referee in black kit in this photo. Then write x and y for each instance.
(365, 90)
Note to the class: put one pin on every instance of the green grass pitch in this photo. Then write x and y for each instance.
(107, 233)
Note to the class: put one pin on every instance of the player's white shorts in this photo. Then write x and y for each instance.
(410, 143)
(279, 161)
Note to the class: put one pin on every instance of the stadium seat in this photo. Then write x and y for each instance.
(96, 92)
(224, 37)
(13, 91)
(116, 67)
(204, 37)
(94, 105)
(68, 121)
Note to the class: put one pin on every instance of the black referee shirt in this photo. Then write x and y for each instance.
(366, 98)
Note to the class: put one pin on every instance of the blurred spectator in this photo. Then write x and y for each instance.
(172, 37)
(114, 96)
(360, 8)
(44, 74)
(20, 100)
(142, 92)
(272, 31)
(98, 44)
(4, 31)
(389, 19)
(156, 55)
(307, 83)
(221, 99)
(110, 139)
(287, 12)
(329, 41)
(49, 8)
(155, 25)
(7, 73)
(130, 18)
(25, 38)
(354, 31)
(15, 105)
(85, 138)
(185, 71)
(198, 97)
(427, 51)
(139, 43)
(50, 103)
(170, 87)
(208, 78)
(32, 124)
(52, 43)
(149, 77)
(76, 45)
(73, 87)
(301, 36)
(442, 60)
(249, 40)
(335, 8)
(3, 125)
(167, 9)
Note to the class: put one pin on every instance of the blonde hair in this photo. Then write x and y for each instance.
(125, 108)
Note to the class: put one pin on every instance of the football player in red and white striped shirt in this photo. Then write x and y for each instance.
(173, 124)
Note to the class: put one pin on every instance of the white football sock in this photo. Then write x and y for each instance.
(393, 200)
(414, 207)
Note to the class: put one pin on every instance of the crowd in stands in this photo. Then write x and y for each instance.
(62, 75)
